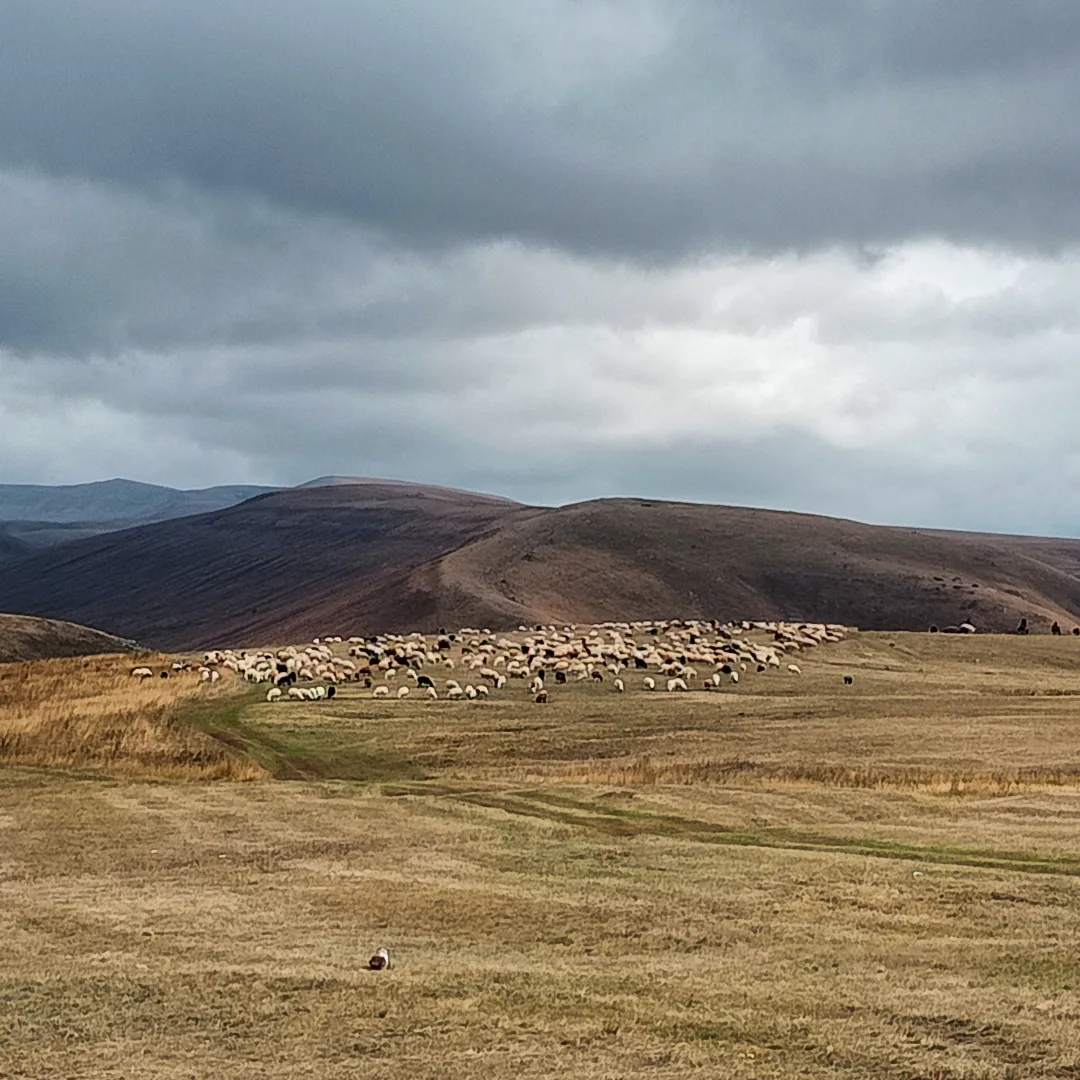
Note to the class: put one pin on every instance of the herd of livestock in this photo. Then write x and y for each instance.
(677, 655)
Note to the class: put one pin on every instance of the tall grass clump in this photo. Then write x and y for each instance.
(88, 713)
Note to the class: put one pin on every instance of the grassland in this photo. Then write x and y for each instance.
(791, 878)
(90, 714)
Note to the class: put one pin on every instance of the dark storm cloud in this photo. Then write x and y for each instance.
(644, 129)
(815, 255)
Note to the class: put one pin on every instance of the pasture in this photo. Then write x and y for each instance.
(790, 877)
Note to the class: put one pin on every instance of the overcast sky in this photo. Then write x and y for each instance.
(810, 254)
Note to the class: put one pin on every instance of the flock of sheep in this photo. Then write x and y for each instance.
(472, 664)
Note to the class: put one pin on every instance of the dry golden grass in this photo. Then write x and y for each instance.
(685, 919)
(89, 713)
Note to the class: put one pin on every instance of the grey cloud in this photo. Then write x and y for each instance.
(643, 130)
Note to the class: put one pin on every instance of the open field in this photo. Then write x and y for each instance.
(789, 878)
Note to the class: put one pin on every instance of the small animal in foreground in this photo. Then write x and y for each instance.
(849, 680)
(541, 698)
(380, 961)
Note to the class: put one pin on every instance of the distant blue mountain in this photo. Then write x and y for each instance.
(115, 503)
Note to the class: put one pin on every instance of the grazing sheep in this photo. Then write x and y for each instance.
(1055, 629)
(794, 669)
(454, 692)
(330, 692)
(482, 691)
(297, 694)
(214, 676)
(379, 691)
(470, 692)
(598, 676)
(380, 961)
(403, 691)
(620, 687)
(541, 698)
(424, 681)
(849, 680)
(560, 676)
(432, 693)
(273, 695)
(734, 676)
(142, 673)
(649, 682)
(676, 684)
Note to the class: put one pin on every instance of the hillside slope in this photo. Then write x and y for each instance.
(626, 559)
(263, 569)
(364, 557)
(23, 637)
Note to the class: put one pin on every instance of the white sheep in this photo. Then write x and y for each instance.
(403, 691)
(794, 669)
(380, 691)
(470, 692)
(676, 684)
(619, 685)
(141, 673)
(649, 683)
(432, 693)
(273, 694)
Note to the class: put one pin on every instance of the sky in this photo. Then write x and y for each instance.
(817, 255)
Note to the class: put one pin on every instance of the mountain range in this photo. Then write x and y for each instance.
(352, 555)
(38, 515)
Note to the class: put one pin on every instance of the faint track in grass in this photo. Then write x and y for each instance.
(625, 823)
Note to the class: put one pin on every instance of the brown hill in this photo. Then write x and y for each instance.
(23, 637)
(252, 572)
(626, 559)
(360, 557)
